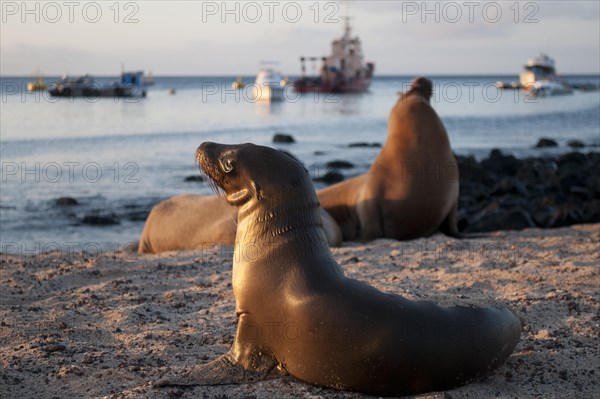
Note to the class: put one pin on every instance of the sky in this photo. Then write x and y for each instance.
(234, 37)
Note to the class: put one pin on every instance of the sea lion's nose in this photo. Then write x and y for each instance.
(205, 148)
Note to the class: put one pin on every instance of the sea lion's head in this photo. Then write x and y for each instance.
(248, 172)
(421, 87)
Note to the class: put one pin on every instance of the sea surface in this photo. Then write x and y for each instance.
(118, 157)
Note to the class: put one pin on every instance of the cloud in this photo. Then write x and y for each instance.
(171, 38)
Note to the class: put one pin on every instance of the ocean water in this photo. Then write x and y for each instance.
(118, 157)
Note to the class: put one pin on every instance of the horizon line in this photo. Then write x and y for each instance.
(387, 75)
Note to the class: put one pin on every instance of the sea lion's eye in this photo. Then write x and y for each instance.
(227, 165)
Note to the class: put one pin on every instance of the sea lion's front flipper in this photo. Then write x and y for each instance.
(222, 371)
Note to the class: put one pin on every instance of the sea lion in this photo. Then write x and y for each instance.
(299, 314)
(187, 222)
(411, 190)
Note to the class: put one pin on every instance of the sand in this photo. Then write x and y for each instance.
(87, 326)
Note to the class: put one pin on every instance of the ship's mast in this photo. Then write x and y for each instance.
(347, 28)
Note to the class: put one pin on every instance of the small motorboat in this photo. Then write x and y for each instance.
(539, 77)
(37, 85)
(268, 85)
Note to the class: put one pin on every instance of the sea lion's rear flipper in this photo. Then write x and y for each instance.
(222, 371)
(450, 225)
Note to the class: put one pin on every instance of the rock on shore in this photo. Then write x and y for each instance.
(505, 193)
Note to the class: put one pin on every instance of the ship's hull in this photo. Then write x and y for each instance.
(267, 93)
(94, 92)
(544, 88)
(308, 85)
(35, 86)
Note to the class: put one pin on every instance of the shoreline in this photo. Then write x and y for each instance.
(498, 192)
(81, 326)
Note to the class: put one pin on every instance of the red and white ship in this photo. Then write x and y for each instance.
(344, 71)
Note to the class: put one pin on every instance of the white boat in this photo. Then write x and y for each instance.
(539, 77)
(269, 85)
(546, 87)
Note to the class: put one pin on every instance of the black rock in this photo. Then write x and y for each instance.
(574, 216)
(593, 184)
(138, 216)
(545, 216)
(499, 163)
(502, 220)
(465, 159)
(468, 202)
(283, 138)
(486, 220)
(538, 171)
(364, 144)
(194, 178)
(509, 185)
(318, 153)
(594, 157)
(571, 180)
(581, 192)
(339, 165)
(495, 154)
(100, 219)
(572, 160)
(545, 143)
(471, 171)
(511, 201)
(575, 144)
(592, 211)
(66, 201)
(502, 192)
(517, 219)
(330, 177)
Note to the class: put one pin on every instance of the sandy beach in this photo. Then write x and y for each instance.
(107, 325)
(479, 120)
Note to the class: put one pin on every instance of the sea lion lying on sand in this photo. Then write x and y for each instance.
(299, 314)
(188, 222)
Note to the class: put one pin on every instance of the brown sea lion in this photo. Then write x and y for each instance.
(188, 222)
(299, 314)
(411, 190)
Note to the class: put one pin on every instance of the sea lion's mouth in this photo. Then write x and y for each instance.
(208, 164)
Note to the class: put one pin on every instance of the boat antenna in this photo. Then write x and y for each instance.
(347, 26)
(347, 17)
